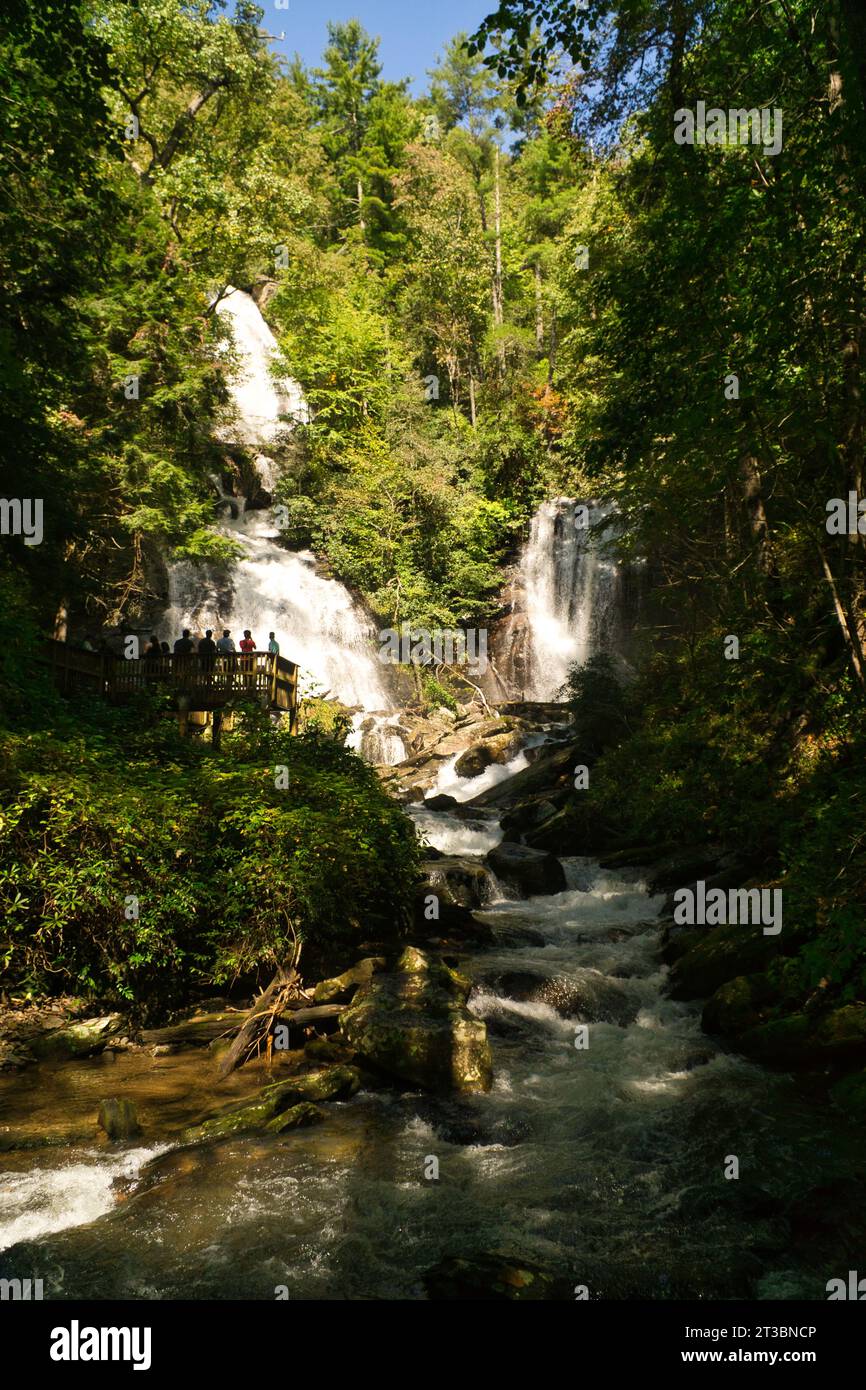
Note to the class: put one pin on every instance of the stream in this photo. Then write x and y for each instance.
(603, 1163)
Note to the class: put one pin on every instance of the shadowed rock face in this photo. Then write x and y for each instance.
(413, 1024)
(530, 871)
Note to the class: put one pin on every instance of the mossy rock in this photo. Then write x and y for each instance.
(850, 1095)
(298, 1117)
(331, 1083)
(328, 1050)
(808, 1039)
(118, 1118)
(737, 1005)
(78, 1039)
(722, 954)
(413, 1024)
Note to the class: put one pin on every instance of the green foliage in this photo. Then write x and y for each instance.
(225, 864)
(598, 703)
(436, 694)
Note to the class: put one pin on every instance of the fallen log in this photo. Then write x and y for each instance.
(195, 1032)
(303, 1018)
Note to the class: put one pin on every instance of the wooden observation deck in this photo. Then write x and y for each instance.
(200, 684)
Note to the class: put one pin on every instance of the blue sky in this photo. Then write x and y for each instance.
(413, 32)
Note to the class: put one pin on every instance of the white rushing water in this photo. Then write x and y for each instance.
(262, 397)
(45, 1200)
(450, 783)
(317, 622)
(379, 737)
(453, 835)
(573, 594)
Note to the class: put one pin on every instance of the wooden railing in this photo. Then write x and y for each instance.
(199, 682)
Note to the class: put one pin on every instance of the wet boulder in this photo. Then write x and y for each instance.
(413, 1024)
(514, 937)
(587, 995)
(528, 871)
(718, 954)
(531, 813)
(331, 1083)
(559, 833)
(499, 748)
(458, 1121)
(551, 772)
(473, 762)
(457, 882)
(79, 1039)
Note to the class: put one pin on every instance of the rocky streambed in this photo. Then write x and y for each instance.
(515, 1105)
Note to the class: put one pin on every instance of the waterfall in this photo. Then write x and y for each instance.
(261, 398)
(573, 595)
(270, 589)
(379, 737)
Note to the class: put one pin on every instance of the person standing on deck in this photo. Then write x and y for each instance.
(248, 646)
(183, 649)
(207, 652)
(226, 648)
(152, 653)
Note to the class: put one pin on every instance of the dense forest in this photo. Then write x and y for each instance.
(541, 278)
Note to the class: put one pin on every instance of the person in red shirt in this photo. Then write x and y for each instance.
(247, 646)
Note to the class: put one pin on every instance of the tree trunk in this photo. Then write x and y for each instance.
(61, 620)
(497, 271)
(539, 313)
(849, 631)
(756, 514)
(361, 223)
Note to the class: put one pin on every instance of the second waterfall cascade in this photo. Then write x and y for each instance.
(574, 599)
